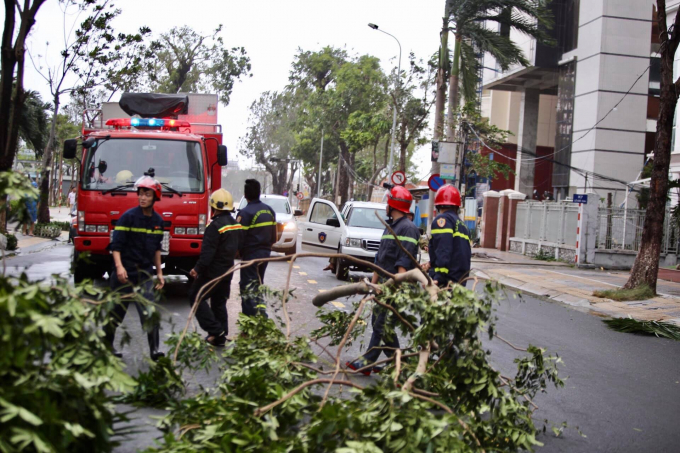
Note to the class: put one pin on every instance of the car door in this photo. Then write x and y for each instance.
(317, 235)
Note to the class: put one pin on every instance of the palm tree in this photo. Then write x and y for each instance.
(469, 21)
(33, 123)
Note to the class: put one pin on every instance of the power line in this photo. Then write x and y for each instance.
(582, 136)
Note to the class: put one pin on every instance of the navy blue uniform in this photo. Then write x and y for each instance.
(390, 257)
(137, 237)
(258, 223)
(450, 251)
(218, 250)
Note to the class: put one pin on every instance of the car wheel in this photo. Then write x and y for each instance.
(341, 269)
(291, 251)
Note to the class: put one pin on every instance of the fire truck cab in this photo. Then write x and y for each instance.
(174, 137)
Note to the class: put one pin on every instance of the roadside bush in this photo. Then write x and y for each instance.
(48, 230)
(12, 242)
(56, 373)
(63, 226)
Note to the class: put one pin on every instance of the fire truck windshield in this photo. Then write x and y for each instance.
(115, 162)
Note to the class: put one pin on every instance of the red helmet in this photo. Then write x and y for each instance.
(147, 182)
(447, 195)
(400, 199)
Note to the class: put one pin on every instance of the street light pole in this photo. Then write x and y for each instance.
(394, 111)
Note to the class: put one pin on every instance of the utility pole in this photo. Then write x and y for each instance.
(439, 103)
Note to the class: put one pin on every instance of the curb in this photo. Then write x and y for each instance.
(576, 302)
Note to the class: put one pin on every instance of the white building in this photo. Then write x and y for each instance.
(585, 112)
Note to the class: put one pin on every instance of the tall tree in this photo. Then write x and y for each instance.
(92, 56)
(366, 130)
(646, 267)
(34, 122)
(334, 87)
(192, 62)
(270, 137)
(413, 106)
(12, 95)
(486, 25)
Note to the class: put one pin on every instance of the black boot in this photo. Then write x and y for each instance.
(154, 344)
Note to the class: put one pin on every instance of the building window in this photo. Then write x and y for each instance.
(566, 22)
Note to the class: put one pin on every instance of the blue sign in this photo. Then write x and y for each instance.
(322, 237)
(435, 182)
(580, 198)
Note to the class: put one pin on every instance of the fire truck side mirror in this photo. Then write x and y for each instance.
(70, 147)
(222, 155)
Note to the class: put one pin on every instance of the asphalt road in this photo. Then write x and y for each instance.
(623, 390)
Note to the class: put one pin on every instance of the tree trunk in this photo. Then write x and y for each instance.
(344, 175)
(7, 66)
(454, 82)
(440, 100)
(352, 181)
(646, 265)
(44, 209)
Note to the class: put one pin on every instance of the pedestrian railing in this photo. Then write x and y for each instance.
(621, 229)
(553, 222)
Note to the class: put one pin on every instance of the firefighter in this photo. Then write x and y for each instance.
(136, 247)
(258, 223)
(449, 249)
(219, 247)
(393, 259)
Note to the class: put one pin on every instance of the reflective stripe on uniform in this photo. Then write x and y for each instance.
(401, 238)
(138, 230)
(441, 270)
(226, 228)
(450, 230)
(257, 225)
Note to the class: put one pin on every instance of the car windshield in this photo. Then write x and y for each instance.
(115, 162)
(279, 205)
(365, 218)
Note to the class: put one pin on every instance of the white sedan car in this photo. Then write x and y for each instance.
(285, 219)
(356, 232)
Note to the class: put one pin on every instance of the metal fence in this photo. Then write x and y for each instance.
(621, 229)
(553, 222)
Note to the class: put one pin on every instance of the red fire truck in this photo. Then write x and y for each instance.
(176, 138)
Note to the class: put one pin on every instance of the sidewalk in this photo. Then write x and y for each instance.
(572, 286)
(33, 244)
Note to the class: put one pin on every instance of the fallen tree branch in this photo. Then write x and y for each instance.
(352, 323)
(261, 410)
(423, 357)
(397, 361)
(394, 310)
(412, 276)
(448, 410)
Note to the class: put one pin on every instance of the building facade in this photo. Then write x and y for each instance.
(584, 114)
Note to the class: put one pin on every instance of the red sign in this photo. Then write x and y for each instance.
(398, 178)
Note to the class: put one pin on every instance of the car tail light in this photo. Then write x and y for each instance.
(81, 220)
(201, 223)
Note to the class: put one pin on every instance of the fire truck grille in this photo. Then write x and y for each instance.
(165, 244)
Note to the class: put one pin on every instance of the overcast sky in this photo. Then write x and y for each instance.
(271, 32)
